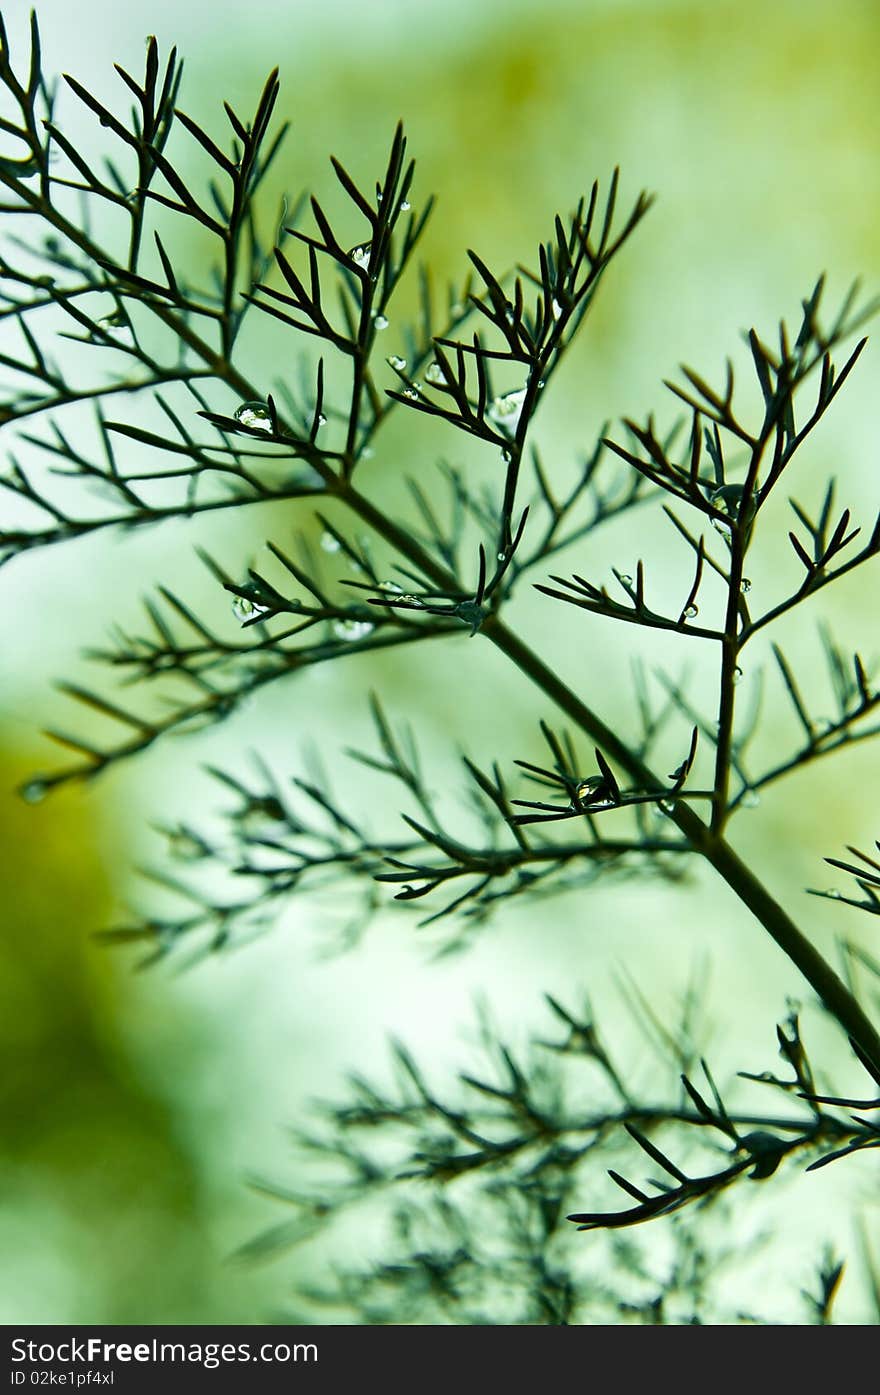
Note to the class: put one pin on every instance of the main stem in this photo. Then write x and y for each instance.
(831, 989)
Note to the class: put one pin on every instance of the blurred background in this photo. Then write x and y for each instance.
(135, 1106)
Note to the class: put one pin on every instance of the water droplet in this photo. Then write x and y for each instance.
(666, 807)
(411, 394)
(737, 674)
(727, 498)
(360, 255)
(35, 790)
(405, 205)
(506, 410)
(501, 556)
(118, 327)
(434, 373)
(751, 799)
(555, 308)
(329, 543)
(396, 362)
(351, 630)
(745, 586)
(541, 382)
(833, 893)
(322, 420)
(691, 611)
(255, 415)
(380, 321)
(391, 586)
(367, 453)
(243, 608)
(506, 456)
(186, 846)
(588, 788)
(625, 579)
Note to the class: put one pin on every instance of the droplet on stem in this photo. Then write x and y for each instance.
(351, 630)
(506, 410)
(255, 415)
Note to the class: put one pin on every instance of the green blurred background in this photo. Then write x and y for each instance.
(135, 1106)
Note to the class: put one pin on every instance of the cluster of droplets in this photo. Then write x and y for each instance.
(254, 415)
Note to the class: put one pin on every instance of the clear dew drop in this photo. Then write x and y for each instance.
(587, 788)
(506, 456)
(360, 255)
(396, 362)
(555, 308)
(35, 790)
(501, 556)
(745, 586)
(434, 373)
(186, 847)
(381, 321)
(255, 415)
(751, 799)
(691, 612)
(411, 394)
(351, 630)
(626, 579)
(506, 410)
(737, 674)
(405, 205)
(243, 608)
(118, 327)
(833, 893)
(367, 453)
(329, 543)
(666, 807)
(322, 420)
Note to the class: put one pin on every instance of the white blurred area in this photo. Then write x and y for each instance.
(766, 175)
